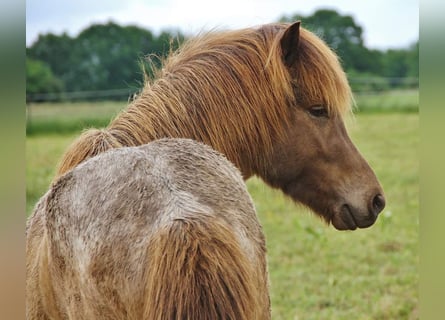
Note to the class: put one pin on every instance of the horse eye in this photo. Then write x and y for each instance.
(319, 112)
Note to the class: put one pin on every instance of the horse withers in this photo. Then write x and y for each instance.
(272, 99)
(161, 231)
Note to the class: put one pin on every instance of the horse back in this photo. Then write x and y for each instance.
(127, 235)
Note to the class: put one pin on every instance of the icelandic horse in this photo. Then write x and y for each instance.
(271, 99)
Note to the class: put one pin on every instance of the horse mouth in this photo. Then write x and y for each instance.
(349, 219)
(342, 217)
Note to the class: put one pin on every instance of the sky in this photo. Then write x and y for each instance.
(386, 23)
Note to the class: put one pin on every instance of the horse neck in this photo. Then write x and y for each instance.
(147, 118)
(157, 114)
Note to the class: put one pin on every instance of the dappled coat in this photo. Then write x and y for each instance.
(160, 231)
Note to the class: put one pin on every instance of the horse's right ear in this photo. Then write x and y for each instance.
(289, 43)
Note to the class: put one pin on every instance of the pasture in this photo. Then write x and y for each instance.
(316, 272)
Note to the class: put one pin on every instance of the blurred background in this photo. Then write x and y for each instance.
(82, 51)
(85, 60)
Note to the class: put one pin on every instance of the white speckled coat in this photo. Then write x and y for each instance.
(165, 230)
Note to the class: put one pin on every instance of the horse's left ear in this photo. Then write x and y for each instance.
(289, 43)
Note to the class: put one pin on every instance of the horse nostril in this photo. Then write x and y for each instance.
(378, 203)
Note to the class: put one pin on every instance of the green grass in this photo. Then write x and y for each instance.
(316, 271)
(388, 101)
(63, 118)
(42, 155)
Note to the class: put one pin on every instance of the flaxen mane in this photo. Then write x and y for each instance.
(230, 90)
(164, 231)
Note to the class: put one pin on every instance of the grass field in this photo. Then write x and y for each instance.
(388, 101)
(317, 272)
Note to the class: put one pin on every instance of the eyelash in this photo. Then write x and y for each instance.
(319, 112)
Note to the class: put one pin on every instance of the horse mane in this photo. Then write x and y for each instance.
(230, 90)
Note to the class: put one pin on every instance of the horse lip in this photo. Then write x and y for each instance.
(346, 220)
(345, 217)
(348, 217)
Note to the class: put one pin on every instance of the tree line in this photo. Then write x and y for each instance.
(113, 57)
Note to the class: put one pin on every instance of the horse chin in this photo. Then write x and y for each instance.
(348, 218)
(342, 217)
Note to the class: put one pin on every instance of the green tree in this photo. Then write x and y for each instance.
(102, 56)
(108, 56)
(368, 69)
(412, 60)
(402, 66)
(395, 63)
(40, 79)
(342, 34)
(57, 52)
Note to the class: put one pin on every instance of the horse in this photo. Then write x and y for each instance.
(165, 230)
(273, 100)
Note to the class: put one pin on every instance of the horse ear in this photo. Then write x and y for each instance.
(289, 43)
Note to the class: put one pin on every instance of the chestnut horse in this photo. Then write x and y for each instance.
(162, 231)
(272, 99)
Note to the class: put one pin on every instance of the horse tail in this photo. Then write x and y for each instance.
(197, 270)
(90, 143)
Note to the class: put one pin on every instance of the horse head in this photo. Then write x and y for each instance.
(316, 163)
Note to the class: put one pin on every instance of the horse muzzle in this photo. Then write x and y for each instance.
(350, 217)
